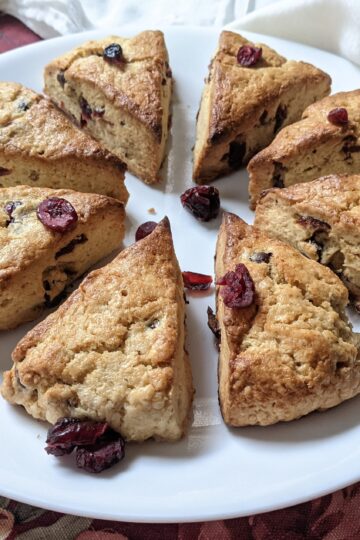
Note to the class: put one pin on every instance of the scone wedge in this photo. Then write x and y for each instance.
(243, 107)
(119, 91)
(40, 147)
(322, 220)
(310, 148)
(291, 350)
(38, 263)
(114, 351)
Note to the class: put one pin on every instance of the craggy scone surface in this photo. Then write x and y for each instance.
(311, 147)
(114, 351)
(292, 351)
(321, 219)
(248, 105)
(136, 86)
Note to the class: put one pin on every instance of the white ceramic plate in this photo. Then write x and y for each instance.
(215, 472)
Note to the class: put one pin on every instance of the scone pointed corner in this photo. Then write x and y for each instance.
(124, 360)
(119, 90)
(314, 146)
(280, 356)
(38, 143)
(244, 105)
(39, 262)
(321, 219)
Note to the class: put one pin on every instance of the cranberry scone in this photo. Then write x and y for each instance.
(40, 147)
(287, 347)
(119, 91)
(48, 238)
(249, 94)
(325, 141)
(114, 351)
(322, 220)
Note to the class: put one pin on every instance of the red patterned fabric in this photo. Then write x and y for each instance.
(333, 517)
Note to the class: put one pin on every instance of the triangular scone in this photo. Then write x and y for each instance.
(322, 220)
(292, 350)
(123, 104)
(242, 108)
(310, 148)
(114, 351)
(36, 263)
(40, 147)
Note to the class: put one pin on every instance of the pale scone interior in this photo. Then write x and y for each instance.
(292, 351)
(37, 264)
(40, 147)
(310, 148)
(125, 107)
(114, 351)
(322, 220)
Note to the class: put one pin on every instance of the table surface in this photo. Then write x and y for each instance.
(332, 517)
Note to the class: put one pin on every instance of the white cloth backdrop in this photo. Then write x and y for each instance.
(328, 24)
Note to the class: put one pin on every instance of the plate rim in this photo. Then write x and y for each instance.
(135, 517)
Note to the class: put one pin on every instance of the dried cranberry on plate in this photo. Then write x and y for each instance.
(97, 446)
(203, 202)
(196, 282)
(213, 323)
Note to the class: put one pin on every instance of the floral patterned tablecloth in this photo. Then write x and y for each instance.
(332, 517)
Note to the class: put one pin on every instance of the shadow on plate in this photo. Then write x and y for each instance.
(315, 426)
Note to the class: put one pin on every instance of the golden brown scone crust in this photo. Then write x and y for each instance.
(321, 219)
(242, 108)
(39, 146)
(135, 95)
(292, 351)
(37, 264)
(310, 148)
(114, 351)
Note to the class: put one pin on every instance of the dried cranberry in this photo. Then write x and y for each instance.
(196, 282)
(97, 457)
(280, 117)
(9, 208)
(236, 154)
(113, 54)
(97, 446)
(23, 106)
(144, 230)
(168, 71)
(86, 110)
(260, 257)
(248, 55)
(202, 202)
(237, 287)
(80, 239)
(70, 432)
(57, 214)
(4, 171)
(213, 323)
(313, 223)
(338, 116)
(60, 77)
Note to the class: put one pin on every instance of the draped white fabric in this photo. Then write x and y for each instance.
(328, 24)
